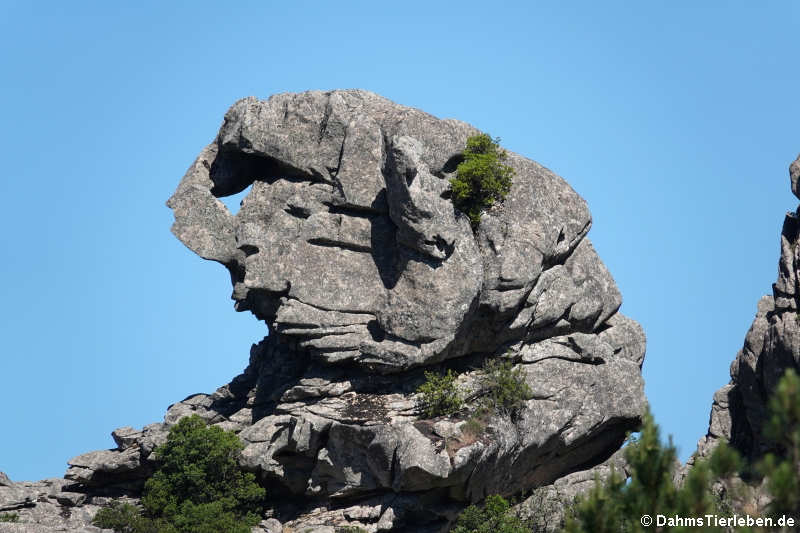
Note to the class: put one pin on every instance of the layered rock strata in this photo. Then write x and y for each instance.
(348, 246)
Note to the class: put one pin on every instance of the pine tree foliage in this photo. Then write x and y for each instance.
(782, 466)
(617, 506)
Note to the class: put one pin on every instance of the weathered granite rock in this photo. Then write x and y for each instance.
(13, 495)
(771, 346)
(47, 506)
(545, 507)
(106, 463)
(348, 246)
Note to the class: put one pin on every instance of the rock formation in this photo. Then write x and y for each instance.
(349, 248)
(771, 346)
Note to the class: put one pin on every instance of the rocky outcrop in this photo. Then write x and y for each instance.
(348, 247)
(47, 506)
(771, 346)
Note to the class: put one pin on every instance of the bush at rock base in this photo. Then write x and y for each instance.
(481, 179)
(493, 517)
(198, 487)
(9, 517)
(198, 467)
(126, 518)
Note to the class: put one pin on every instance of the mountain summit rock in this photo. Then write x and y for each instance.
(348, 246)
(771, 346)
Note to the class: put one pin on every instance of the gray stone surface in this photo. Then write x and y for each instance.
(546, 505)
(271, 525)
(39, 528)
(348, 247)
(771, 346)
(84, 468)
(48, 506)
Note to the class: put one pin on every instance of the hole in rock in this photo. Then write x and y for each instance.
(234, 201)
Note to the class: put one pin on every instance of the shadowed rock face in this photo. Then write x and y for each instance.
(348, 246)
(771, 346)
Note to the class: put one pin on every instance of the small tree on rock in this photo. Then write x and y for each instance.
(481, 179)
(439, 395)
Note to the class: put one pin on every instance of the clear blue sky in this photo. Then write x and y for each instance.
(677, 123)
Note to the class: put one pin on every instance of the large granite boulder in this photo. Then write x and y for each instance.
(348, 246)
(771, 346)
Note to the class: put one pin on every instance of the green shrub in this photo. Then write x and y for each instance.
(440, 395)
(198, 487)
(493, 517)
(503, 389)
(9, 517)
(126, 518)
(211, 517)
(198, 465)
(504, 386)
(481, 179)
